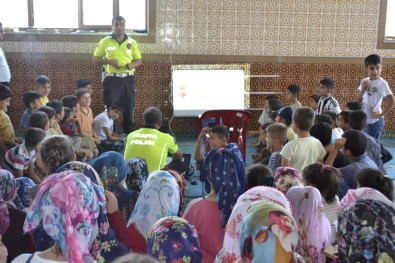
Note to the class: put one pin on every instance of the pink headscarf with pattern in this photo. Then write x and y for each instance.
(68, 205)
(7, 193)
(231, 249)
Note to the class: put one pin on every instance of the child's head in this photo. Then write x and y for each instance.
(324, 178)
(5, 97)
(31, 100)
(71, 102)
(358, 120)
(59, 109)
(276, 135)
(219, 136)
(342, 120)
(51, 113)
(258, 175)
(303, 118)
(284, 116)
(323, 132)
(333, 116)
(115, 111)
(84, 97)
(374, 178)
(56, 151)
(33, 137)
(43, 85)
(313, 103)
(84, 83)
(353, 105)
(373, 64)
(323, 118)
(39, 119)
(326, 87)
(68, 115)
(356, 143)
(293, 92)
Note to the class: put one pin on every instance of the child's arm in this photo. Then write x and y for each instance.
(389, 105)
(198, 156)
(339, 144)
(32, 174)
(2, 146)
(112, 136)
(285, 162)
(364, 85)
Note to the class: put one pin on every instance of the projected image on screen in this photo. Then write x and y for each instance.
(196, 91)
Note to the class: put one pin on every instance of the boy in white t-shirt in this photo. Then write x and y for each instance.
(103, 124)
(305, 149)
(371, 93)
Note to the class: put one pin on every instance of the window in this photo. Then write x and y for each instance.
(75, 20)
(386, 36)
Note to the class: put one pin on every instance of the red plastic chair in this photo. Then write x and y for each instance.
(235, 120)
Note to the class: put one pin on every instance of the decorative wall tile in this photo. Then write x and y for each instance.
(340, 49)
(257, 19)
(199, 33)
(228, 4)
(68, 47)
(185, 17)
(185, 4)
(355, 35)
(313, 49)
(243, 18)
(243, 47)
(229, 18)
(314, 20)
(357, 6)
(228, 47)
(199, 47)
(299, 49)
(341, 35)
(213, 47)
(200, 4)
(300, 20)
(272, 19)
(199, 18)
(272, 5)
(372, 7)
(285, 34)
(39, 46)
(214, 5)
(214, 32)
(23, 46)
(243, 5)
(256, 48)
(326, 49)
(343, 6)
(327, 35)
(270, 48)
(286, 5)
(342, 21)
(85, 47)
(284, 48)
(371, 21)
(54, 47)
(356, 21)
(243, 33)
(299, 34)
(315, 5)
(257, 33)
(228, 33)
(271, 34)
(214, 18)
(313, 34)
(257, 5)
(369, 36)
(300, 6)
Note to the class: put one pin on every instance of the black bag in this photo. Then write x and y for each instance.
(386, 156)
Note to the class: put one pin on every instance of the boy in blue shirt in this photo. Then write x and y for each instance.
(31, 100)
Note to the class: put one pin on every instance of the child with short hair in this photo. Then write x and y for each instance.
(51, 113)
(313, 103)
(31, 100)
(353, 105)
(59, 110)
(354, 145)
(284, 116)
(293, 92)
(85, 122)
(103, 124)
(327, 102)
(371, 92)
(259, 175)
(276, 137)
(85, 83)
(336, 131)
(20, 159)
(262, 153)
(218, 136)
(342, 120)
(39, 119)
(7, 133)
(325, 179)
(358, 121)
(43, 86)
(305, 149)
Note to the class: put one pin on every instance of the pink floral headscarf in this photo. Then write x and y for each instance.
(68, 205)
(362, 193)
(313, 225)
(7, 193)
(231, 249)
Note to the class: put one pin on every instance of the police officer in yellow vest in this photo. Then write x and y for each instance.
(120, 55)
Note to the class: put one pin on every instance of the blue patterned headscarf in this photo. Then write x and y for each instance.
(23, 184)
(111, 168)
(160, 197)
(174, 239)
(224, 168)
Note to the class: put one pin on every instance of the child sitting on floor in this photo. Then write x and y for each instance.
(31, 100)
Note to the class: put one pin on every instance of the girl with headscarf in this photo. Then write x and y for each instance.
(286, 177)
(11, 219)
(160, 197)
(106, 246)
(136, 173)
(174, 239)
(111, 168)
(366, 231)
(268, 232)
(23, 185)
(224, 174)
(313, 225)
(68, 205)
(231, 246)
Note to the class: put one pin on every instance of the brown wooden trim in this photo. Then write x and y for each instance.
(205, 58)
(381, 43)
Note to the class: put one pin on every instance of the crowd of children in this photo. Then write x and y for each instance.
(317, 180)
